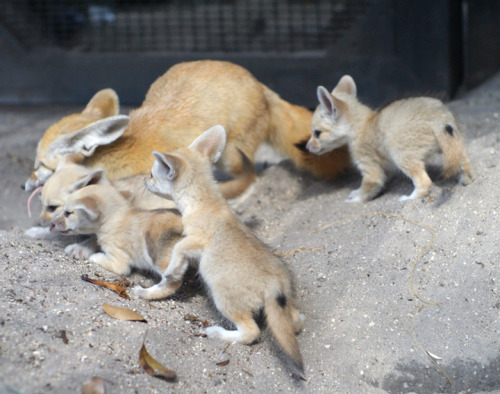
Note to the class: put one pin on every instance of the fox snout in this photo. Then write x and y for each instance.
(58, 224)
(313, 145)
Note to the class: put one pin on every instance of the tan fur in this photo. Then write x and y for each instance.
(128, 237)
(188, 98)
(59, 186)
(402, 135)
(242, 275)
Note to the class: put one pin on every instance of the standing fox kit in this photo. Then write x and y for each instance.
(128, 237)
(189, 97)
(241, 274)
(402, 135)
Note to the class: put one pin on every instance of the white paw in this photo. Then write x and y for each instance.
(97, 257)
(354, 196)
(78, 251)
(139, 291)
(405, 198)
(215, 332)
(40, 233)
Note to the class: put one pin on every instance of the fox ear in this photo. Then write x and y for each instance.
(211, 143)
(86, 140)
(70, 158)
(104, 104)
(165, 166)
(89, 205)
(326, 102)
(127, 195)
(346, 85)
(93, 178)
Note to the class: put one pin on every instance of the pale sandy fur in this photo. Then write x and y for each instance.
(400, 136)
(242, 275)
(128, 237)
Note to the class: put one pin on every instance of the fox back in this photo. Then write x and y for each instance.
(188, 98)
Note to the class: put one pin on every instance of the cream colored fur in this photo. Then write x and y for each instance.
(402, 135)
(242, 275)
(128, 237)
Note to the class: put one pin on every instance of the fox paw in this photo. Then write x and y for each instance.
(354, 196)
(215, 332)
(139, 291)
(40, 233)
(78, 251)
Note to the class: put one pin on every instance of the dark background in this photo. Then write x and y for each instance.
(63, 51)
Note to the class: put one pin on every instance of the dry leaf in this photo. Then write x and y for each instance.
(118, 287)
(120, 313)
(223, 363)
(153, 367)
(95, 385)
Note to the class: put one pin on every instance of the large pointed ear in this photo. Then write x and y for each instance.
(346, 85)
(165, 166)
(211, 143)
(325, 100)
(89, 205)
(70, 158)
(104, 104)
(93, 178)
(86, 140)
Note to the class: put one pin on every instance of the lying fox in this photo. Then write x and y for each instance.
(128, 237)
(242, 275)
(401, 135)
(70, 177)
(189, 97)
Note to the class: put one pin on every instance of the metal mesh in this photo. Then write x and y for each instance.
(181, 25)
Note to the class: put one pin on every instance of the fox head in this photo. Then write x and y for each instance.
(172, 172)
(68, 178)
(98, 124)
(330, 123)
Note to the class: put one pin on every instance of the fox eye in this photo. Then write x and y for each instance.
(67, 213)
(316, 133)
(51, 208)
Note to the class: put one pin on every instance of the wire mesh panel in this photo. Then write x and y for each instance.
(279, 26)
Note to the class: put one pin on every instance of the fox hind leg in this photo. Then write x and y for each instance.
(415, 169)
(246, 333)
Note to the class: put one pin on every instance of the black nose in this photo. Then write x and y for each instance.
(23, 187)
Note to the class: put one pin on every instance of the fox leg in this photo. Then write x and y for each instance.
(373, 181)
(172, 277)
(246, 331)
(415, 169)
(465, 170)
(82, 250)
(118, 264)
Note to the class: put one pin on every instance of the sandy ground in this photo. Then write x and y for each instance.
(366, 330)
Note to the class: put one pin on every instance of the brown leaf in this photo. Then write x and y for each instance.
(117, 287)
(95, 385)
(223, 363)
(119, 313)
(153, 367)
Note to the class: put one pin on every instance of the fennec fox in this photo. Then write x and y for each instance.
(128, 237)
(189, 97)
(68, 178)
(402, 135)
(241, 274)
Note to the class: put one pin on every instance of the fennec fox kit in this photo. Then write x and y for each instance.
(241, 274)
(188, 98)
(128, 237)
(69, 177)
(402, 135)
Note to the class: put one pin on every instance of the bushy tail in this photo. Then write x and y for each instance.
(455, 155)
(289, 132)
(280, 319)
(244, 177)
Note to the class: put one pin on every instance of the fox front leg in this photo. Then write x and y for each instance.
(172, 277)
